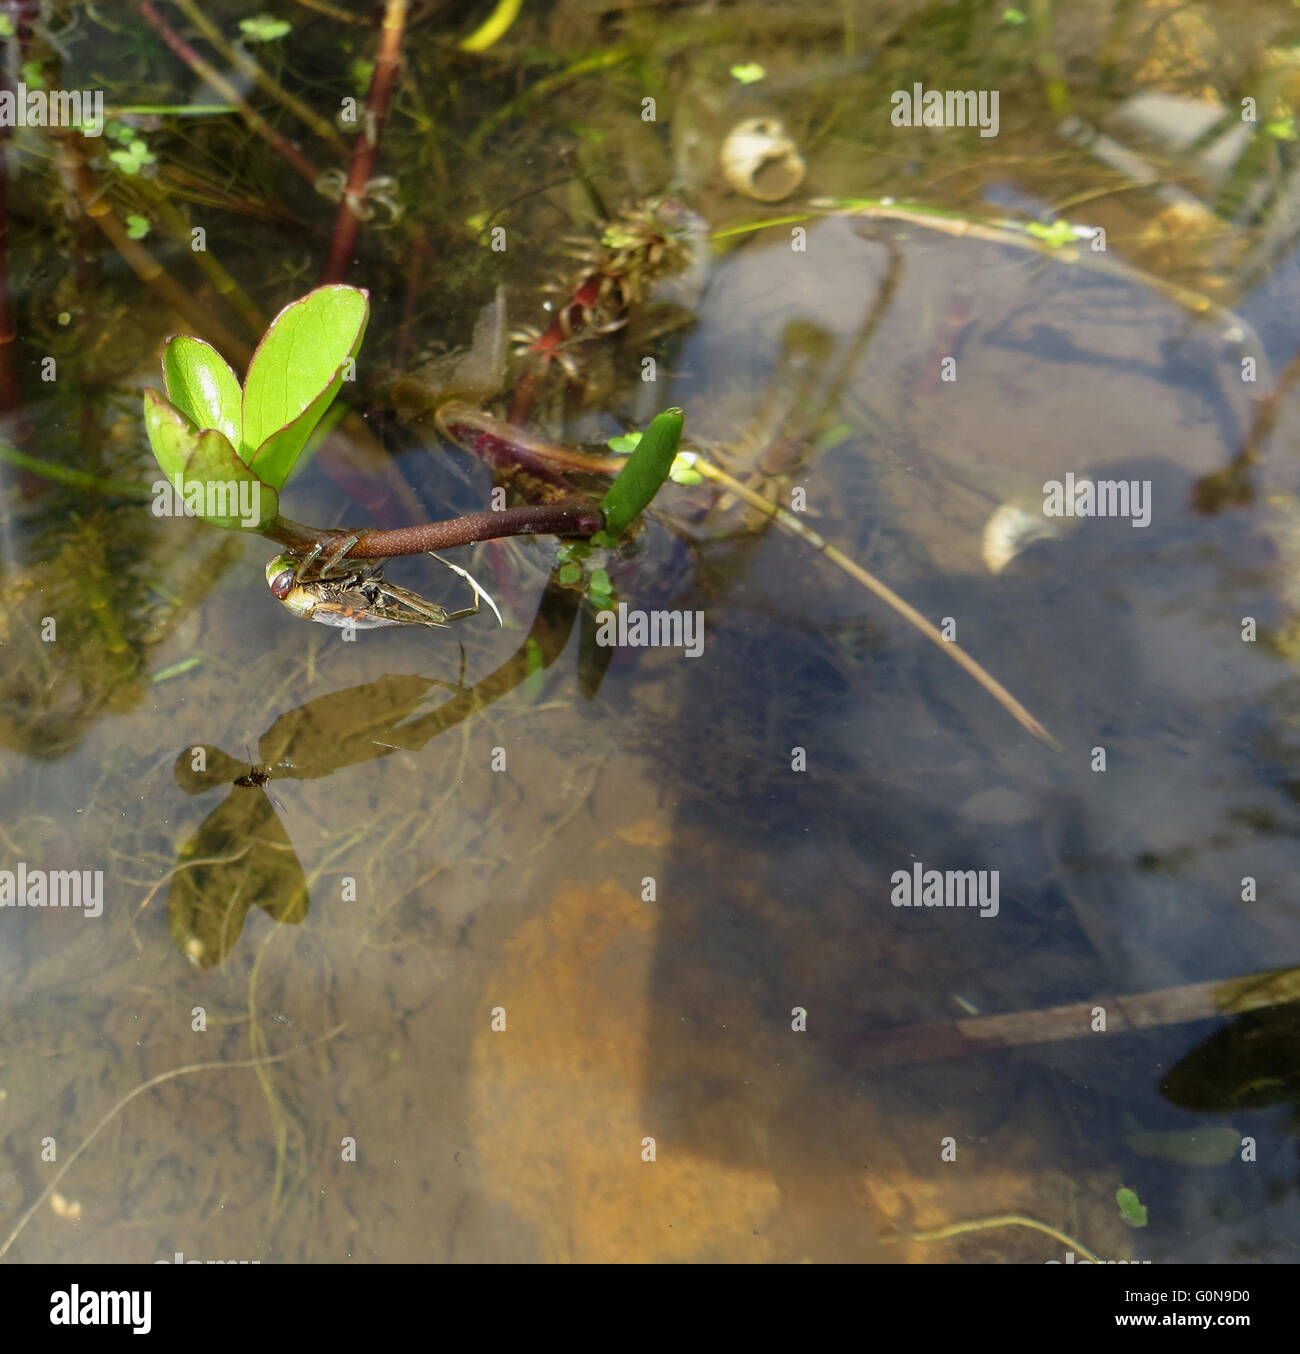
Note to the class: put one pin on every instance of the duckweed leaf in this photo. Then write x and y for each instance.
(1131, 1209)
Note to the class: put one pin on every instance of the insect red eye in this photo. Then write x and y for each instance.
(282, 584)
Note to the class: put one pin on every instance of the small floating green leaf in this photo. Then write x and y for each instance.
(264, 28)
(624, 444)
(748, 72)
(683, 472)
(1057, 235)
(1130, 1208)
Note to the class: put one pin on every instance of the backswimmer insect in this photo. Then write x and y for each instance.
(353, 593)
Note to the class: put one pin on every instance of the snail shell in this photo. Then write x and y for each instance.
(760, 161)
(1009, 530)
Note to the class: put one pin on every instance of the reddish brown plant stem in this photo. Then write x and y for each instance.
(571, 321)
(578, 518)
(347, 224)
(285, 149)
(500, 443)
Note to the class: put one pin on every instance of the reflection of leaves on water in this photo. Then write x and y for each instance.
(1253, 1063)
(248, 861)
(247, 857)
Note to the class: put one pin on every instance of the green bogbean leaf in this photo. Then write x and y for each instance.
(204, 468)
(230, 483)
(171, 434)
(201, 385)
(646, 469)
(295, 374)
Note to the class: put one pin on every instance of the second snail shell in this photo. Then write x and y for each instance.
(760, 161)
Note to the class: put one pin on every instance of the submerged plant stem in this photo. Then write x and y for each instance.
(945, 1039)
(126, 1100)
(207, 71)
(81, 184)
(886, 594)
(1000, 1220)
(347, 224)
(237, 57)
(494, 27)
(75, 479)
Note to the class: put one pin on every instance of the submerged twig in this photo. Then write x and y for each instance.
(11, 398)
(1016, 234)
(218, 275)
(1139, 1011)
(347, 224)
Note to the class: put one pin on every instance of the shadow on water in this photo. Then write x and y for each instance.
(493, 917)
